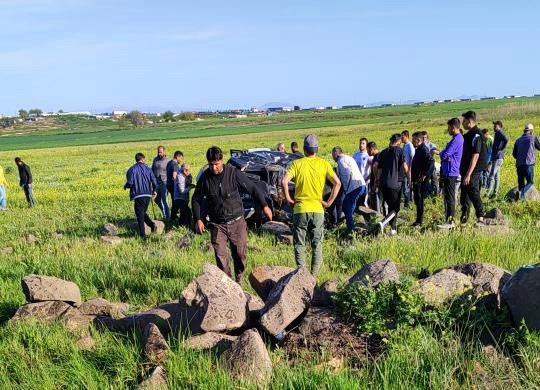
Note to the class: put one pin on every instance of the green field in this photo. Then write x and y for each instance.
(79, 169)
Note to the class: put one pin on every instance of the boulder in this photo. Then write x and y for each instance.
(77, 323)
(287, 301)
(521, 293)
(185, 241)
(254, 303)
(221, 301)
(38, 288)
(102, 307)
(286, 239)
(137, 322)
(495, 217)
(325, 293)
(157, 380)
(155, 346)
(48, 311)
(109, 229)
(376, 272)
(110, 240)
(86, 343)
(210, 340)
(247, 360)
(160, 227)
(275, 228)
(264, 278)
(444, 286)
(533, 194)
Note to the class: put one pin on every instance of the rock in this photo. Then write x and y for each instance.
(30, 238)
(533, 194)
(57, 235)
(109, 229)
(185, 241)
(155, 346)
(264, 278)
(247, 360)
(157, 380)
(169, 235)
(206, 246)
(210, 340)
(48, 311)
(486, 278)
(39, 288)
(274, 227)
(376, 272)
(443, 286)
(495, 217)
(137, 322)
(77, 323)
(222, 300)
(286, 239)
(6, 250)
(160, 227)
(494, 229)
(521, 293)
(324, 294)
(110, 240)
(287, 300)
(102, 307)
(86, 343)
(254, 302)
(183, 318)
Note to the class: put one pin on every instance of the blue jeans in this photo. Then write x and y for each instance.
(349, 204)
(525, 173)
(161, 200)
(3, 199)
(405, 188)
(494, 175)
(29, 195)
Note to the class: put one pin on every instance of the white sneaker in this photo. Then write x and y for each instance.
(393, 232)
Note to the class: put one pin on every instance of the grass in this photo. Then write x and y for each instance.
(79, 188)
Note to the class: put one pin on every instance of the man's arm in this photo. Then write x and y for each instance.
(336, 185)
(536, 143)
(248, 185)
(285, 186)
(129, 179)
(514, 151)
(196, 200)
(472, 165)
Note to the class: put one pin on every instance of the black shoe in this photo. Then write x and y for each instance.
(463, 219)
(238, 277)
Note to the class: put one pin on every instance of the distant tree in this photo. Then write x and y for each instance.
(123, 122)
(168, 116)
(186, 116)
(136, 118)
(60, 111)
(35, 111)
(23, 114)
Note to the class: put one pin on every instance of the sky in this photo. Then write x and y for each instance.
(137, 54)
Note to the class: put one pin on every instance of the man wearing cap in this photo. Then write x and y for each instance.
(525, 154)
(309, 175)
(500, 140)
(473, 162)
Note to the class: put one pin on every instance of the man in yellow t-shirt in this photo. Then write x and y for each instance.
(3, 186)
(309, 175)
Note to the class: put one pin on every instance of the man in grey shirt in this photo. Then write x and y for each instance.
(159, 167)
(525, 154)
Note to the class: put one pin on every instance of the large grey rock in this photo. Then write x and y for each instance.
(86, 343)
(210, 340)
(221, 300)
(289, 298)
(155, 346)
(444, 286)
(77, 323)
(38, 288)
(325, 293)
(264, 278)
(522, 294)
(157, 380)
(160, 227)
(533, 194)
(254, 302)
(47, 311)
(377, 272)
(247, 360)
(109, 229)
(102, 307)
(276, 228)
(495, 217)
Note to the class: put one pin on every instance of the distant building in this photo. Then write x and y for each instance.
(354, 106)
(119, 113)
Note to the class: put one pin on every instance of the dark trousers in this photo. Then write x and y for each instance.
(392, 198)
(27, 188)
(448, 184)
(525, 173)
(420, 191)
(184, 219)
(170, 190)
(471, 194)
(236, 235)
(405, 187)
(141, 206)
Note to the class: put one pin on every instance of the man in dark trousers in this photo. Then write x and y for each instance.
(391, 169)
(473, 163)
(422, 166)
(525, 154)
(500, 141)
(218, 187)
(159, 167)
(142, 185)
(173, 167)
(25, 181)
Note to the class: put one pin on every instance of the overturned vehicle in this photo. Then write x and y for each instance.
(266, 168)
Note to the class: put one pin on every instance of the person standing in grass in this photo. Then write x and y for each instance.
(488, 140)
(182, 186)
(422, 166)
(309, 175)
(408, 154)
(363, 160)
(159, 167)
(524, 152)
(218, 190)
(375, 201)
(3, 188)
(172, 170)
(295, 149)
(473, 163)
(25, 181)
(500, 141)
(142, 185)
(391, 169)
(450, 162)
(433, 150)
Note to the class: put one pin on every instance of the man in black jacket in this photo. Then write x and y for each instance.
(25, 181)
(218, 188)
(422, 168)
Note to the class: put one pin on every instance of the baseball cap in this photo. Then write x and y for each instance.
(528, 127)
(311, 144)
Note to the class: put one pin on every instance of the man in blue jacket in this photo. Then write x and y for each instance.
(497, 155)
(142, 184)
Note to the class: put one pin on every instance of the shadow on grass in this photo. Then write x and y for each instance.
(7, 309)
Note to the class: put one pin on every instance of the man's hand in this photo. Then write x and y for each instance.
(267, 212)
(199, 227)
(325, 204)
(290, 201)
(154, 195)
(467, 180)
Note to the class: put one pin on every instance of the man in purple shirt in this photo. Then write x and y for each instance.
(525, 154)
(450, 161)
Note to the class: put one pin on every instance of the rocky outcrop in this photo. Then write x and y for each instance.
(377, 272)
(521, 293)
(444, 286)
(47, 311)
